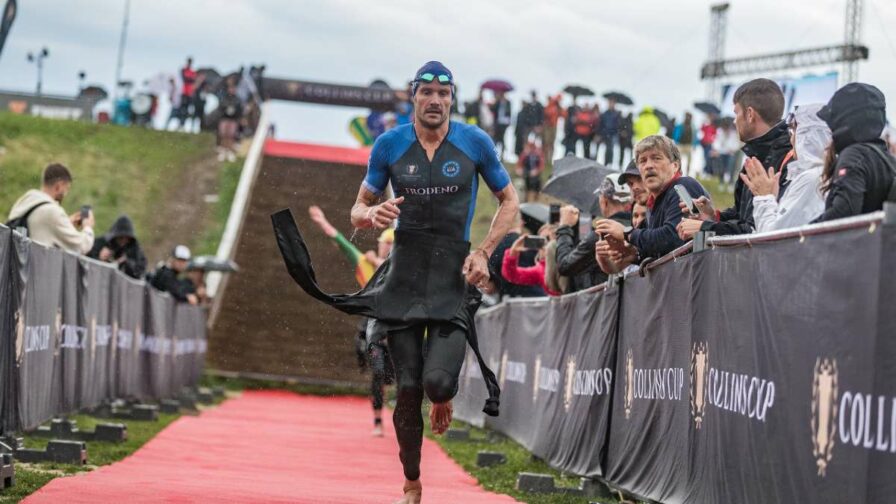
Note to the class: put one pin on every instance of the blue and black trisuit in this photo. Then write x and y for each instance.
(439, 199)
(418, 298)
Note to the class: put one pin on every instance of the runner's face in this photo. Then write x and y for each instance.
(432, 104)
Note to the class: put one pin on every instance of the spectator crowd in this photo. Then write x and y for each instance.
(820, 162)
(39, 215)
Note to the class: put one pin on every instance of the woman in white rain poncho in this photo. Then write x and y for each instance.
(802, 200)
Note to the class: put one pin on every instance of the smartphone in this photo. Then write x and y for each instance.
(686, 198)
(555, 214)
(534, 242)
(85, 211)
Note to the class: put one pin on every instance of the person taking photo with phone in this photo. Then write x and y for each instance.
(529, 275)
(40, 213)
(659, 163)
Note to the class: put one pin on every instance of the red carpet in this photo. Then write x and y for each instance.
(270, 447)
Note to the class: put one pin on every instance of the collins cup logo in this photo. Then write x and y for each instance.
(824, 412)
(451, 169)
(699, 372)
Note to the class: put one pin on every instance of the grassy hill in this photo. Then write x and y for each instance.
(160, 179)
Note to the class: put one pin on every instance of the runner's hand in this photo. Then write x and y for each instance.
(382, 215)
(476, 269)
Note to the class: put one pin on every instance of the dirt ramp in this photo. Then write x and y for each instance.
(266, 323)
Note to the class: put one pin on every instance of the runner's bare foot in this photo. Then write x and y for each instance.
(413, 493)
(440, 417)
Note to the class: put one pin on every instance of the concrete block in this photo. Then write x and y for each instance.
(535, 483)
(170, 406)
(457, 435)
(488, 459)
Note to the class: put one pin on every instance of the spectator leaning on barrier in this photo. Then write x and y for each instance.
(577, 260)
(120, 246)
(166, 277)
(612, 255)
(803, 200)
(758, 107)
(533, 275)
(858, 173)
(659, 163)
(41, 212)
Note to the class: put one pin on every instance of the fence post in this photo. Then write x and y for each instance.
(700, 240)
(889, 213)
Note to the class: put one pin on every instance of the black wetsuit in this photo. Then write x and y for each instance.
(439, 199)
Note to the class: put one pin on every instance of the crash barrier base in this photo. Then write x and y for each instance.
(169, 406)
(59, 451)
(761, 369)
(7, 470)
(545, 484)
(63, 428)
(488, 459)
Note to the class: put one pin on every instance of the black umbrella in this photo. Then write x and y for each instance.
(707, 108)
(212, 263)
(576, 90)
(662, 116)
(620, 98)
(569, 163)
(577, 187)
(535, 215)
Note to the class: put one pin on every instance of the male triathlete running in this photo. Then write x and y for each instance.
(433, 166)
(375, 356)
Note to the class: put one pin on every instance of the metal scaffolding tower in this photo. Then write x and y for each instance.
(717, 29)
(716, 67)
(853, 38)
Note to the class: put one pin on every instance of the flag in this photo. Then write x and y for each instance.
(9, 15)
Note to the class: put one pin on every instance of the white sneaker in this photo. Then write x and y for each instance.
(377, 431)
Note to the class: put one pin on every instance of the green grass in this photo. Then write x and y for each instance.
(116, 169)
(501, 478)
(30, 477)
(228, 179)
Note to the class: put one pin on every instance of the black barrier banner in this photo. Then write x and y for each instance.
(97, 361)
(784, 344)
(11, 283)
(648, 445)
(128, 307)
(71, 338)
(156, 347)
(555, 361)
(75, 332)
(573, 382)
(37, 335)
(762, 373)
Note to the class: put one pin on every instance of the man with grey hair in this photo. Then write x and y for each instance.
(659, 162)
(577, 260)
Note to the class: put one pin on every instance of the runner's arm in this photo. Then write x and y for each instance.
(508, 208)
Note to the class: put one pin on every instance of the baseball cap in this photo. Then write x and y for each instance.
(387, 236)
(610, 188)
(181, 252)
(631, 169)
(432, 71)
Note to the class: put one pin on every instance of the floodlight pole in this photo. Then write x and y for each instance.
(38, 60)
(121, 44)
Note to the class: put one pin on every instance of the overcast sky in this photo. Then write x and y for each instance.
(651, 49)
